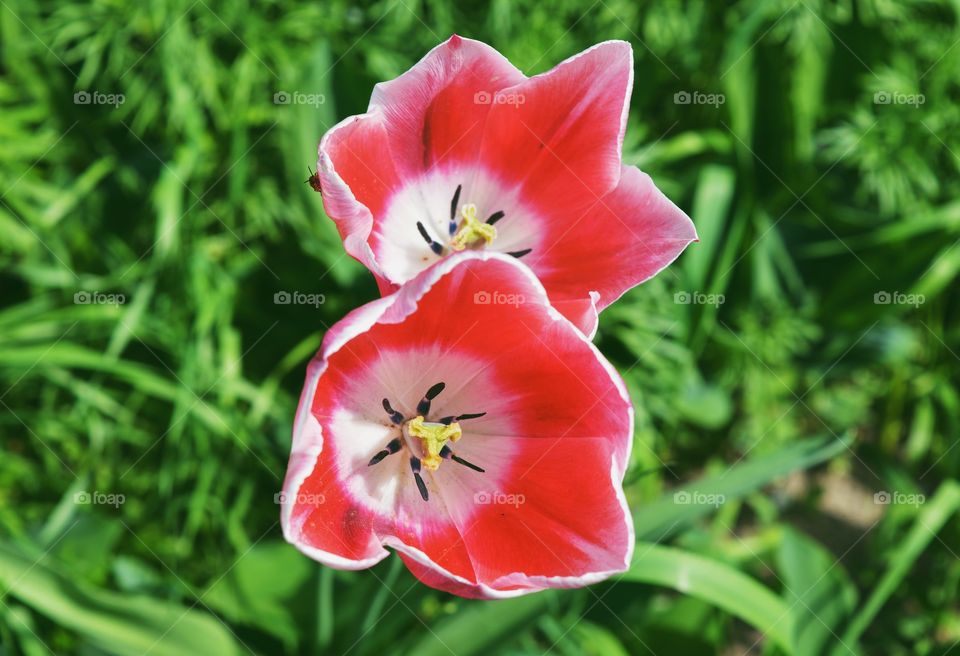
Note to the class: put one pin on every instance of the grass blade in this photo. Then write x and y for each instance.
(929, 521)
(715, 583)
(664, 517)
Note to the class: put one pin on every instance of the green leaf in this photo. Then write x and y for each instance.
(711, 204)
(933, 515)
(500, 621)
(117, 623)
(715, 583)
(260, 589)
(664, 517)
(818, 592)
(596, 640)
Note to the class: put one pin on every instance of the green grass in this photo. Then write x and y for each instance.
(793, 402)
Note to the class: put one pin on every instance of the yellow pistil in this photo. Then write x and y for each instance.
(434, 437)
(471, 229)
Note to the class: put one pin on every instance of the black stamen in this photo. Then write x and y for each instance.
(445, 452)
(434, 246)
(449, 420)
(424, 406)
(422, 487)
(415, 466)
(493, 218)
(467, 463)
(453, 209)
(395, 416)
(392, 447)
(520, 253)
(424, 233)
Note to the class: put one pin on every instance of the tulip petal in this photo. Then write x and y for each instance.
(358, 176)
(560, 138)
(435, 112)
(582, 312)
(625, 238)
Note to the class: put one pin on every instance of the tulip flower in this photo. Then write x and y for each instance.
(466, 424)
(464, 152)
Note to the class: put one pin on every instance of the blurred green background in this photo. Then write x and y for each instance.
(795, 373)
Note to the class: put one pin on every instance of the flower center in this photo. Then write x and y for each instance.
(471, 230)
(468, 231)
(433, 436)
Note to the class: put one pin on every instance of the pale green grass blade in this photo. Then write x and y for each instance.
(818, 593)
(716, 583)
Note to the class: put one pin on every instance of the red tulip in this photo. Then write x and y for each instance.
(465, 423)
(464, 152)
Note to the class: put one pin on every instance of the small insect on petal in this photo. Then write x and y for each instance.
(314, 181)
